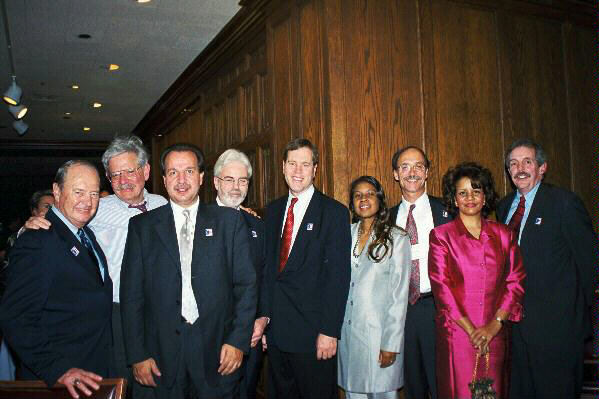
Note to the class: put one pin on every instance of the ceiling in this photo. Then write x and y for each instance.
(152, 43)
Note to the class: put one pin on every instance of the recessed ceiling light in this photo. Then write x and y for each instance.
(67, 113)
(84, 36)
(87, 129)
(75, 87)
(143, 1)
(113, 67)
(96, 105)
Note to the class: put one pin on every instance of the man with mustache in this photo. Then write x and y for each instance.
(56, 312)
(410, 168)
(560, 255)
(232, 174)
(188, 289)
(126, 162)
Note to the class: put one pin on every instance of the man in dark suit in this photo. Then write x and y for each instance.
(410, 168)
(188, 289)
(560, 256)
(232, 174)
(306, 280)
(56, 312)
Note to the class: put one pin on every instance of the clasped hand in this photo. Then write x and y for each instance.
(482, 336)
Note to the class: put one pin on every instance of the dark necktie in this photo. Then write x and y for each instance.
(90, 250)
(286, 239)
(141, 207)
(516, 219)
(414, 291)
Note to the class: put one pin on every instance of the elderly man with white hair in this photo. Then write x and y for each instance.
(232, 174)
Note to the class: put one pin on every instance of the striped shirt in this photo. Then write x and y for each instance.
(110, 226)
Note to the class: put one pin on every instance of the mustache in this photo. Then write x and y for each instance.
(182, 186)
(125, 186)
(413, 177)
(522, 175)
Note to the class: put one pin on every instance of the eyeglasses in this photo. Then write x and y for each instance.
(406, 167)
(125, 172)
(242, 181)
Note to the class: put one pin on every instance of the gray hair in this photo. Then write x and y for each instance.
(232, 155)
(123, 144)
(61, 173)
(540, 155)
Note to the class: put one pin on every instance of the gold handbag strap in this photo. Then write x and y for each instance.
(474, 372)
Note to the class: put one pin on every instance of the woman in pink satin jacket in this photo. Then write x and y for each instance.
(476, 274)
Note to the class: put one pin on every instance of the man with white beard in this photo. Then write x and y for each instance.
(232, 174)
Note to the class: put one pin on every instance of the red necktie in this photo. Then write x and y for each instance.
(286, 239)
(414, 290)
(516, 219)
(141, 207)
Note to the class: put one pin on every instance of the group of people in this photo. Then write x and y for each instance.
(182, 298)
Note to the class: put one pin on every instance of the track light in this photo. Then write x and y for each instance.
(17, 111)
(20, 126)
(13, 94)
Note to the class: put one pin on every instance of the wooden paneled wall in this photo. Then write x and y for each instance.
(361, 78)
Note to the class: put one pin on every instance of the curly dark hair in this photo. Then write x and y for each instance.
(382, 226)
(480, 178)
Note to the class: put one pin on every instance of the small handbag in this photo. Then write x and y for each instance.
(482, 387)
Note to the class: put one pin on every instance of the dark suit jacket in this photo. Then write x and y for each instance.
(440, 215)
(223, 281)
(257, 248)
(308, 298)
(56, 312)
(559, 249)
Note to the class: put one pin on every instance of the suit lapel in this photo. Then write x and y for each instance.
(72, 244)
(279, 216)
(308, 228)
(506, 208)
(203, 234)
(535, 210)
(165, 228)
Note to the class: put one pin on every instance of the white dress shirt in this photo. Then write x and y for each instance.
(110, 225)
(180, 218)
(299, 210)
(423, 216)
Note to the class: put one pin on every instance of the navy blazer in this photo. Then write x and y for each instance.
(223, 281)
(559, 249)
(440, 214)
(56, 311)
(308, 298)
(257, 247)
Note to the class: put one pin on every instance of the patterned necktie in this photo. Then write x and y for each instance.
(141, 207)
(189, 307)
(286, 239)
(414, 292)
(90, 250)
(516, 219)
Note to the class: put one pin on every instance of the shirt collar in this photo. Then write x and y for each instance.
(485, 232)
(420, 201)
(304, 196)
(529, 196)
(126, 205)
(74, 229)
(193, 208)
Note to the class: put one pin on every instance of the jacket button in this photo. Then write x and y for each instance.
(349, 322)
(177, 332)
(351, 303)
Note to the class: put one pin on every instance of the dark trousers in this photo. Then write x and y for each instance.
(120, 359)
(301, 375)
(419, 350)
(538, 371)
(190, 382)
(250, 372)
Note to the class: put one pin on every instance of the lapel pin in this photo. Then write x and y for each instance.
(445, 214)
(208, 232)
(538, 221)
(254, 234)
(309, 226)
(75, 251)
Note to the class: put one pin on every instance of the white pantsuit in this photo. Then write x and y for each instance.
(374, 318)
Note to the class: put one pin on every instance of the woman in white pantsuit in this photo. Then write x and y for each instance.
(372, 335)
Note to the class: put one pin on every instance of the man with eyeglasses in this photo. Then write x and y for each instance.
(232, 173)
(188, 289)
(421, 213)
(127, 168)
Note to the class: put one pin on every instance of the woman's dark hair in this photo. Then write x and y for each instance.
(480, 178)
(382, 226)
